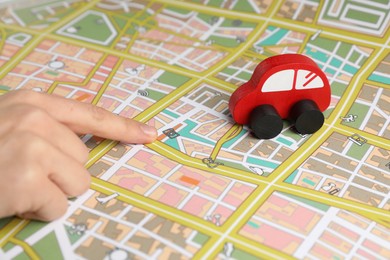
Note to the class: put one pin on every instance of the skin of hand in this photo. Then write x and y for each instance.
(42, 158)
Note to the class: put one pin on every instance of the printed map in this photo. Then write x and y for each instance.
(207, 189)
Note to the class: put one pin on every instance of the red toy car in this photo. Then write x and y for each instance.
(287, 86)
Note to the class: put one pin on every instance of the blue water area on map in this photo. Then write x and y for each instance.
(260, 162)
(186, 131)
(335, 63)
(379, 78)
(253, 224)
(291, 178)
(272, 28)
(350, 69)
(330, 71)
(284, 141)
(173, 143)
(170, 113)
(307, 181)
(275, 37)
(2, 87)
(317, 55)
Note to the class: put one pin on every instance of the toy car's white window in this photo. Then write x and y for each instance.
(280, 81)
(307, 80)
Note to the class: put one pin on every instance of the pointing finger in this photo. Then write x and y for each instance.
(86, 118)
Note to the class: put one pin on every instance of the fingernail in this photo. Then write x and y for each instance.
(149, 130)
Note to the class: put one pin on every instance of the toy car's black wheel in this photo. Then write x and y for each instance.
(307, 117)
(265, 122)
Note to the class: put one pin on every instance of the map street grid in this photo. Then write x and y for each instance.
(207, 189)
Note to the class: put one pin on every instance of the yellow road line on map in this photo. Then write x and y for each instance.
(150, 112)
(187, 160)
(230, 134)
(11, 229)
(236, 53)
(221, 84)
(377, 84)
(106, 147)
(333, 33)
(355, 86)
(299, 156)
(242, 243)
(82, 83)
(71, 16)
(251, 54)
(372, 139)
(26, 247)
(164, 102)
(330, 33)
(243, 214)
(304, 43)
(211, 10)
(3, 37)
(97, 153)
(154, 206)
(262, 251)
(210, 73)
(178, 216)
(131, 43)
(317, 14)
(383, 222)
(39, 36)
(8, 66)
(204, 248)
(107, 82)
(277, 179)
(281, 173)
(132, 57)
(17, 28)
(120, 32)
(334, 201)
(251, 204)
(133, 19)
(116, 27)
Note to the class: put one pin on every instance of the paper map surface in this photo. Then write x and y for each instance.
(207, 189)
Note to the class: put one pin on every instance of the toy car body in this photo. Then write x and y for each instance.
(287, 86)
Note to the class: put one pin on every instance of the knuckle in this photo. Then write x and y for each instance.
(26, 145)
(84, 154)
(79, 152)
(23, 96)
(31, 154)
(83, 185)
(97, 113)
(61, 208)
(20, 206)
(35, 115)
(33, 145)
(24, 185)
(72, 105)
(30, 117)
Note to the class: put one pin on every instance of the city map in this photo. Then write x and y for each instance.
(207, 188)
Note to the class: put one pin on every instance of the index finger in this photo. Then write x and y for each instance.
(84, 118)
